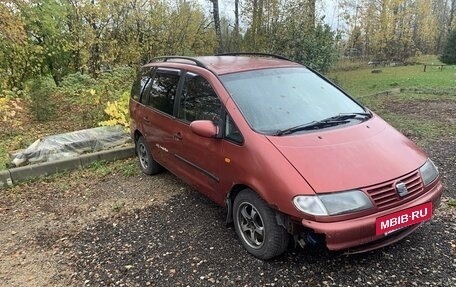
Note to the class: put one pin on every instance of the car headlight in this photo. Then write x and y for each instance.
(334, 203)
(428, 172)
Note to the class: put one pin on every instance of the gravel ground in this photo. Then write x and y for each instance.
(184, 243)
(84, 229)
(443, 153)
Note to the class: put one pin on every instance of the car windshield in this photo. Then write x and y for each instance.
(273, 100)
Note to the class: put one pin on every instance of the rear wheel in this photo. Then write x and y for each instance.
(146, 162)
(256, 226)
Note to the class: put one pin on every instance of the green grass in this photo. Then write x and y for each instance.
(428, 59)
(127, 167)
(362, 82)
(422, 130)
(101, 167)
(408, 110)
(379, 102)
(452, 203)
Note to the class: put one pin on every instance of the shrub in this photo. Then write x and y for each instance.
(449, 51)
(40, 91)
(117, 112)
(76, 81)
(88, 97)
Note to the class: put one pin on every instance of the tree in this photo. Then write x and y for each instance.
(218, 30)
(397, 29)
(310, 17)
(58, 37)
(14, 63)
(45, 22)
(449, 51)
(289, 28)
(451, 16)
(236, 30)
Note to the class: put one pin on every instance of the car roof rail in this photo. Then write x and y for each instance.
(255, 54)
(167, 58)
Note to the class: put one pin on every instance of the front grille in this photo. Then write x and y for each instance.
(385, 195)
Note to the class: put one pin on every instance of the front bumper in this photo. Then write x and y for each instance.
(358, 234)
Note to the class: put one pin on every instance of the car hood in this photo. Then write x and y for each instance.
(350, 157)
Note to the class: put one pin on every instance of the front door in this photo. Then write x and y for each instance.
(201, 158)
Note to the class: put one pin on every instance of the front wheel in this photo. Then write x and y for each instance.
(256, 226)
(146, 162)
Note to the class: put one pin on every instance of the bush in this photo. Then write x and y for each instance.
(449, 51)
(118, 112)
(40, 91)
(88, 97)
(76, 81)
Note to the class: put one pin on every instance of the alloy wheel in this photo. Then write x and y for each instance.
(251, 225)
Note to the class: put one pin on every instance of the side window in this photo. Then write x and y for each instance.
(231, 131)
(161, 90)
(140, 82)
(198, 101)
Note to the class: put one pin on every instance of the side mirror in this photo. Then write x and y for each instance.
(205, 129)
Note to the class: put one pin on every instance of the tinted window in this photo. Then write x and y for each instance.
(199, 101)
(161, 90)
(276, 99)
(140, 82)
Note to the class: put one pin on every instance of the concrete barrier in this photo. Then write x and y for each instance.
(22, 173)
(5, 178)
(18, 174)
(107, 155)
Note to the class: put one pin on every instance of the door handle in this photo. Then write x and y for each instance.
(178, 136)
(146, 119)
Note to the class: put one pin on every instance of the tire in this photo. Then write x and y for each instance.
(256, 226)
(147, 164)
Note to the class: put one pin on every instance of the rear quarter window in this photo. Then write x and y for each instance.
(140, 82)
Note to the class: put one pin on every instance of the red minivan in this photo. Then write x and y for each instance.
(289, 154)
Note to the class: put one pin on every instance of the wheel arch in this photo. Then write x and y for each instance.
(229, 200)
(282, 219)
(136, 135)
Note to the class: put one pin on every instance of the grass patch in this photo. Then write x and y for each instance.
(425, 117)
(422, 130)
(424, 109)
(117, 206)
(125, 167)
(452, 203)
(128, 168)
(362, 82)
(428, 59)
(101, 168)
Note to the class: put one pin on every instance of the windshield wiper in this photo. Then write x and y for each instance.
(328, 122)
(346, 116)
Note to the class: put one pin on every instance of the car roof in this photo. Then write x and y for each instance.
(226, 64)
